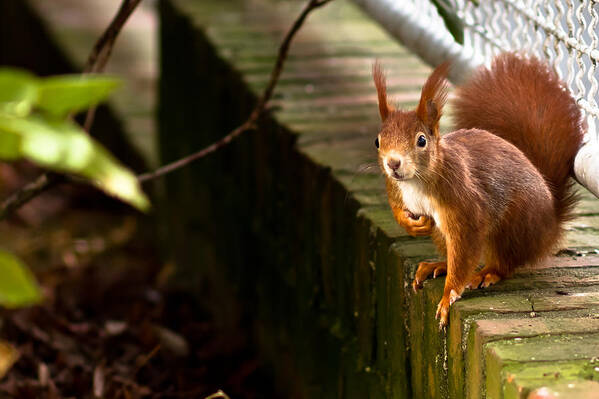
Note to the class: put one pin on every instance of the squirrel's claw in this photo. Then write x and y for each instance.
(442, 314)
(490, 279)
(453, 296)
(443, 307)
(484, 279)
(475, 282)
(424, 271)
(416, 285)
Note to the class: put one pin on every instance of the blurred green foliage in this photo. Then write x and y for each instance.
(453, 23)
(17, 285)
(35, 124)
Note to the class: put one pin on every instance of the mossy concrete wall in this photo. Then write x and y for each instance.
(290, 227)
(263, 222)
(291, 223)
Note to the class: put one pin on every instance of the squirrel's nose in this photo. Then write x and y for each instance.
(393, 164)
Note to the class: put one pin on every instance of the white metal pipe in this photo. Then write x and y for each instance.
(430, 42)
(586, 164)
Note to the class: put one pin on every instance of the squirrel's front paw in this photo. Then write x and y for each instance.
(423, 226)
(443, 307)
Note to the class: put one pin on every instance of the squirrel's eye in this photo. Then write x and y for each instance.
(376, 142)
(421, 141)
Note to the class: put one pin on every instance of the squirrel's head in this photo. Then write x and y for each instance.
(408, 140)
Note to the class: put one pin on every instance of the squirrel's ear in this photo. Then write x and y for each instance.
(433, 114)
(381, 88)
(433, 98)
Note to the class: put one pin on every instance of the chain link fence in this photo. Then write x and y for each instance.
(471, 32)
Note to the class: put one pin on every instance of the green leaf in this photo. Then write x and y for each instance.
(61, 95)
(17, 284)
(18, 91)
(63, 146)
(121, 183)
(454, 24)
(10, 145)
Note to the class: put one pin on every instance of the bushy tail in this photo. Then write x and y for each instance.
(522, 100)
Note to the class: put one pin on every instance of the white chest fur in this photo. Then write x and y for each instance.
(417, 201)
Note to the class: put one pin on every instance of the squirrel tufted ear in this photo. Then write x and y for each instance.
(381, 88)
(433, 113)
(433, 97)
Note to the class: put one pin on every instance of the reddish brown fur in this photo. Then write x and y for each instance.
(434, 96)
(381, 88)
(488, 197)
(522, 100)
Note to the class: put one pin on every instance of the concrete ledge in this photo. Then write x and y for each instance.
(290, 225)
(290, 222)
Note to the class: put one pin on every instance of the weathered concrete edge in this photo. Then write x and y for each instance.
(430, 362)
(379, 283)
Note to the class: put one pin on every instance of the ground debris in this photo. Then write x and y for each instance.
(109, 327)
(8, 356)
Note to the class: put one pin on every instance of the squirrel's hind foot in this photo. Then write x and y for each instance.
(425, 269)
(485, 278)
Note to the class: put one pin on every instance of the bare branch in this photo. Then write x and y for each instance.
(163, 170)
(100, 54)
(259, 108)
(95, 63)
(98, 59)
(29, 191)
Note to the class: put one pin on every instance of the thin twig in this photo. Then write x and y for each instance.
(28, 192)
(100, 54)
(95, 63)
(259, 108)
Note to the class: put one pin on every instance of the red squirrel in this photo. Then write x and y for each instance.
(498, 189)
